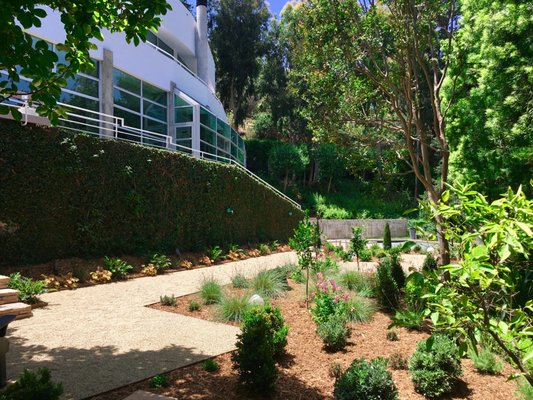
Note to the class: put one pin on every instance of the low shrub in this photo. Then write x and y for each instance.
(334, 332)
(342, 254)
(167, 300)
(359, 309)
(410, 319)
(262, 340)
(274, 245)
(329, 299)
(160, 262)
(398, 361)
(215, 253)
(29, 289)
(240, 281)
(392, 335)
(101, 275)
(233, 308)
(485, 362)
(325, 265)
(386, 287)
(435, 366)
(429, 264)
(365, 255)
(359, 282)
(118, 268)
(211, 291)
(269, 283)
(149, 270)
(34, 386)
(415, 289)
(158, 381)
(264, 249)
(56, 282)
(194, 306)
(366, 380)
(210, 365)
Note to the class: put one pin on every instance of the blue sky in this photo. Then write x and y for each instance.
(276, 5)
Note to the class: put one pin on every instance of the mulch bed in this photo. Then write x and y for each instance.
(304, 373)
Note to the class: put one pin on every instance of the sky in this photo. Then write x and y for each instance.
(277, 5)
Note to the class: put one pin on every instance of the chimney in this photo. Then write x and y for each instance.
(201, 39)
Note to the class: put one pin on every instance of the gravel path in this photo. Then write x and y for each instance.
(103, 337)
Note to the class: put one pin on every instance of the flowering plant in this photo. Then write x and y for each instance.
(329, 299)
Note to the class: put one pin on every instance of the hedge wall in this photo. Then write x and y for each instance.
(64, 195)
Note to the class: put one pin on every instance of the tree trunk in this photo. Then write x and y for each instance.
(329, 183)
(286, 181)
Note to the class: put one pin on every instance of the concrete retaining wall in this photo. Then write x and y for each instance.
(374, 228)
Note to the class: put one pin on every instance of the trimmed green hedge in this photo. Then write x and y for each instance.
(64, 195)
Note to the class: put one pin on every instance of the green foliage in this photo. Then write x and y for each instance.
(415, 289)
(365, 255)
(485, 362)
(334, 332)
(398, 362)
(325, 265)
(264, 249)
(359, 309)
(237, 68)
(124, 212)
(435, 366)
(263, 338)
(286, 158)
(29, 289)
(34, 386)
(240, 281)
(160, 262)
(83, 23)
(118, 268)
(525, 390)
(233, 308)
(331, 161)
(490, 290)
(430, 264)
(387, 289)
(387, 244)
(158, 381)
(263, 125)
(215, 253)
(357, 281)
(410, 319)
(211, 291)
(342, 254)
(490, 122)
(257, 151)
(269, 283)
(392, 335)
(329, 299)
(366, 380)
(397, 271)
(167, 300)
(357, 242)
(210, 365)
(194, 306)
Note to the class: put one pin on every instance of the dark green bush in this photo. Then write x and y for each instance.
(167, 300)
(430, 264)
(397, 271)
(118, 268)
(334, 332)
(262, 340)
(435, 366)
(387, 242)
(65, 195)
(158, 381)
(29, 289)
(31, 386)
(386, 287)
(210, 365)
(365, 380)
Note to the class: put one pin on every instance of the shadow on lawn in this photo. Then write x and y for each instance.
(87, 372)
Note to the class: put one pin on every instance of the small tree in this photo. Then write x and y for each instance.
(490, 290)
(387, 243)
(357, 242)
(306, 242)
(286, 158)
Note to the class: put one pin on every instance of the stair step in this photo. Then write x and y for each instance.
(9, 296)
(4, 280)
(21, 310)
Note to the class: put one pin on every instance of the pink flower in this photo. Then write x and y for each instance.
(313, 295)
(346, 296)
(336, 299)
(320, 276)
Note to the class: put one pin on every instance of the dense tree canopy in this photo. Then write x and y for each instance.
(490, 126)
(84, 20)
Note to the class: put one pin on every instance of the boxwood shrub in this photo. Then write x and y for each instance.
(66, 195)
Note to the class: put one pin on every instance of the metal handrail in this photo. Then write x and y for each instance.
(113, 127)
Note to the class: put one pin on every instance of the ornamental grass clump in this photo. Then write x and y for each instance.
(240, 281)
(359, 309)
(261, 342)
(485, 362)
(211, 291)
(233, 308)
(366, 380)
(269, 283)
(435, 366)
(362, 284)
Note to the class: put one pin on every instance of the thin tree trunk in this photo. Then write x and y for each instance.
(286, 181)
(329, 183)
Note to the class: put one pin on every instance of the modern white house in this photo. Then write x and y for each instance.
(160, 93)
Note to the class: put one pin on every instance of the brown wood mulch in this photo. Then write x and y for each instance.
(305, 371)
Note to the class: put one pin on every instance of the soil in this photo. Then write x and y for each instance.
(305, 371)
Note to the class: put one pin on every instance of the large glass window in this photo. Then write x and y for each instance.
(142, 106)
